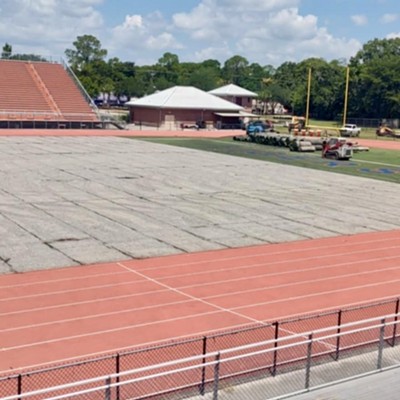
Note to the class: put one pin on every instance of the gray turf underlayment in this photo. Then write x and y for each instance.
(77, 200)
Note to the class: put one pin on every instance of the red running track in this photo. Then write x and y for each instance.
(65, 314)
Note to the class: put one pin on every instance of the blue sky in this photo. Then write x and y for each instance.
(263, 31)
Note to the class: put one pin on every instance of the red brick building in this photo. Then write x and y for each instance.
(181, 106)
(236, 94)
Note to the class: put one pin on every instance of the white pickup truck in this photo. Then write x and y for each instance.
(350, 130)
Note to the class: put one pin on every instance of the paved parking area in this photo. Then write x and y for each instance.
(78, 200)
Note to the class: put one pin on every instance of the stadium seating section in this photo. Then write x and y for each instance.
(40, 91)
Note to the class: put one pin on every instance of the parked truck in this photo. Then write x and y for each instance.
(350, 130)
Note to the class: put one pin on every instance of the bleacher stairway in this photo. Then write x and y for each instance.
(42, 94)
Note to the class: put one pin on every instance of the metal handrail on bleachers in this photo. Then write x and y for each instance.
(81, 88)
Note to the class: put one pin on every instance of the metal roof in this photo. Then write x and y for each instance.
(185, 97)
(232, 90)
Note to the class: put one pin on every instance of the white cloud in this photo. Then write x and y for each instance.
(264, 31)
(389, 18)
(359, 19)
(161, 42)
(393, 35)
(132, 21)
(46, 27)
(138, 34)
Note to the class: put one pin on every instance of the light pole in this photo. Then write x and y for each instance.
(308, 96)
(346, 95)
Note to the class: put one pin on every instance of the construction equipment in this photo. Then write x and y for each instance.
(384, 130)
(298, 123)
(337, 148)
(258, 127)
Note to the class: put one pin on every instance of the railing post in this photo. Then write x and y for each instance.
(19, 385)
(276, 336)
(203, 369)
(216, 376)
(381, 344)
(395, 324)
(339, 324)
(107, 395)
(117, 371)
(309, 357)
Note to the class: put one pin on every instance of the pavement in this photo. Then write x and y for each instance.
(382, 385)
(80, 200)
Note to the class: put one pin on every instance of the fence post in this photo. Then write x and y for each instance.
(275, 348)
(203, 369)
(309, 356)
(216, 376)
(117, 371)
(108, 389)
(19, 385)
(381, 344)
(395, 324)
(339, 325)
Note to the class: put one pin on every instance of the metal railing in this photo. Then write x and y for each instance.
(292, 364)
(27, 115)
(81, 88)
(36, 379)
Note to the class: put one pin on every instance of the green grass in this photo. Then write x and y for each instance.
(376, 163)
(333, 126)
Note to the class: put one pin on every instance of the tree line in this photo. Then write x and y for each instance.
(374, 84)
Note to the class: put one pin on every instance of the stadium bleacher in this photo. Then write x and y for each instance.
(42, 94)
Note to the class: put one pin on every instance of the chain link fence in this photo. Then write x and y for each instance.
(268, 361)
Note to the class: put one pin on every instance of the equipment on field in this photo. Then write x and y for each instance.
(258, 127)
(298, 123)
(301, 145)
(384, 130)
(337, 148)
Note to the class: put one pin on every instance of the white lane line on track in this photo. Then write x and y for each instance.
(135, 326)
(225, 293)
(266, 264)
(70, 279)
(212, 283)
(217, 260)
(286, 251)
(199, 334)
(186, 295)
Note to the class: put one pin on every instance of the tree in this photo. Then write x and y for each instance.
(7, 51)
(234, 69)
(375, 79)
(7, 54)
(204, 78)
(327, 87)
(87, 50)
(169, 61)
(167, 71)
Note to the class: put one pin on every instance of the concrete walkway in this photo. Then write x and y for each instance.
(382, 385)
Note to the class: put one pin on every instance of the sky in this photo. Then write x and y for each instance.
(268, 32)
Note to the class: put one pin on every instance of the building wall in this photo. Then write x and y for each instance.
(245, 102)
(171, 118)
